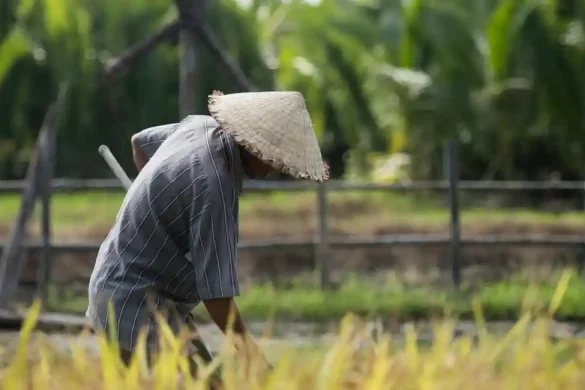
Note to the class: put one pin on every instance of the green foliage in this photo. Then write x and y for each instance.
(504, 77)
(387, 297)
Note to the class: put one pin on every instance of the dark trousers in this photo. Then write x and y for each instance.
(126, 356)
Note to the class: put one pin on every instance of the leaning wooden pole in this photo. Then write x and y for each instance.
(129, 56)
(212, 43)
(47, 171)
(192, 20)
(11, 265)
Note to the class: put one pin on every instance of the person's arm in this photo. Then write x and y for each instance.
(146, 143)
(225, 314)
(220, 310)
(213, 249)
(138, 154)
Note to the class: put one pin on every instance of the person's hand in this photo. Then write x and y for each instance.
(252, 355)
(269, 366)
(266, 367)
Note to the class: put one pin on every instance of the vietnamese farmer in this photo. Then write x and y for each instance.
(174, 242)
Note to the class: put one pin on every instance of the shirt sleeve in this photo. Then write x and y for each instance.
(213, 245)
(149, 140)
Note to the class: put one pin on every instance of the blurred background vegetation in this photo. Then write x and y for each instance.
(506, 78)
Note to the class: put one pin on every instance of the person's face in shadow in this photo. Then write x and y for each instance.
(253, 166)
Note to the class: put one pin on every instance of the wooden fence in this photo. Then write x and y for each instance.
(323, 242)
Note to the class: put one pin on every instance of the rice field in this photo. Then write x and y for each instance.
(90, 215)
(357, 357)
(525, 357)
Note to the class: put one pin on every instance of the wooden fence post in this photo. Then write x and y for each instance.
(454, 211)
(447, 169)
(45, 177)
(583, 195)
(188, 55)
(322, 253)
(186, 73)
(446, 161)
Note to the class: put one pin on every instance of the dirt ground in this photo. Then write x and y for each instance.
(412, 264)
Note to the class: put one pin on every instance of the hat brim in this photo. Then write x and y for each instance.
(255, 150)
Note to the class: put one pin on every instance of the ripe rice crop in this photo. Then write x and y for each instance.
(524, 358)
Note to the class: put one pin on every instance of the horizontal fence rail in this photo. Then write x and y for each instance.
(353, 242)
(80, 185)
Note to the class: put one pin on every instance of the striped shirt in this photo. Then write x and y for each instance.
(174, 240)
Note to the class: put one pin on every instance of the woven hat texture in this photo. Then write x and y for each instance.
(273, 126)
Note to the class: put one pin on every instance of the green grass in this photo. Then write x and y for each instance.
(501, 300)
(91, 214)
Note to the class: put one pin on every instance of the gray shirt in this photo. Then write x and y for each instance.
(174, 240)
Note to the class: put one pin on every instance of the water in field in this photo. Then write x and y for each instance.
(300, 335)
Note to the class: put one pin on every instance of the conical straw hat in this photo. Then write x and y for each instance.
(273, 126)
